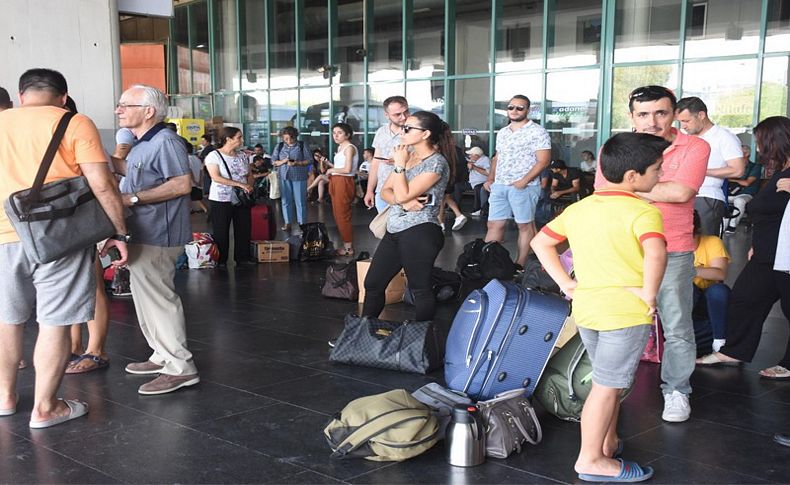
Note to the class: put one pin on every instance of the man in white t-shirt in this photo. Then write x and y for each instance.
(396, 109)
(725, 161)
(479, 165)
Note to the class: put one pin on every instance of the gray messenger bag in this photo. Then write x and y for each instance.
(55, 219)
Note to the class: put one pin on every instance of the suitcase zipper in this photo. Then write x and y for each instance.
(516, 314)
(480, 315)
(488, 354)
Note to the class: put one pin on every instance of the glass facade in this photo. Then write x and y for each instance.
(266, 64)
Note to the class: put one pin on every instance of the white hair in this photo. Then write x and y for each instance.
(154, 98)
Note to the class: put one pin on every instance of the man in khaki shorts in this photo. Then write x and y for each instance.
(62, 292)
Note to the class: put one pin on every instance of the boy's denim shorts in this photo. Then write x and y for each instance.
(615, 354)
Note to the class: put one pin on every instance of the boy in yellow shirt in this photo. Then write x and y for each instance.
(619, 256)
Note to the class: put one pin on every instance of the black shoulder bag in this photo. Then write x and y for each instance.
(239, 197)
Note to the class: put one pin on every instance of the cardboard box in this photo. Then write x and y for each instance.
(394, 291)
(270, 251)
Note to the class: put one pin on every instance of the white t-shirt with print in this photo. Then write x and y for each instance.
(723, 146)
(516, 152)
(238, 171)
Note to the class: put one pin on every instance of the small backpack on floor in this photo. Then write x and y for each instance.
(446, 286)
(315, 241)
(485, 260)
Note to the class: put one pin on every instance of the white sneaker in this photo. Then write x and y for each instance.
(441, 224)
(718, 343)
(459, 222)
(476, 213)
(676, 407)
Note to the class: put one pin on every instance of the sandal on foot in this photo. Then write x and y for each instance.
(76, 410)
(97, 363)
(775, 373)
(10, 411)
(345, 252)
(629, 472)
(713, 359)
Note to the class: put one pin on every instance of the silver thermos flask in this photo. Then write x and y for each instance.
(465, 440)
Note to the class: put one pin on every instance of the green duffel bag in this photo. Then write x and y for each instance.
(392, 426)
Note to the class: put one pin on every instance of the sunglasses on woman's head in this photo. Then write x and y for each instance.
(408, 128)
(516, 107)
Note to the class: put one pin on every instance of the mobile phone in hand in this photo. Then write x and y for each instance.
(429, 200)
(114, 254)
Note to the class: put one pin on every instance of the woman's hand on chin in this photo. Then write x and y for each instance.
(400, 155)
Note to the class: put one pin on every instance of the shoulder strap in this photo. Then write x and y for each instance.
(376, 426)
(230, 175)
(49, 155)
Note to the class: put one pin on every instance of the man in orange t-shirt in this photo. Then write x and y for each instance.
(652, 110)
(60, 293)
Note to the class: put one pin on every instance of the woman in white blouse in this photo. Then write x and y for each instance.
(341, 184)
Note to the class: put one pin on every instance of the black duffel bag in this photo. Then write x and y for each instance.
(536, 278)
(315, 242)
(486, 261)
(446, 286)
(402, 346)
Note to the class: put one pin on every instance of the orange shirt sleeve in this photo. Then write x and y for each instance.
(694, 164)
(85, 141)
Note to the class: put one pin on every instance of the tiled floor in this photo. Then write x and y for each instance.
(259, 338)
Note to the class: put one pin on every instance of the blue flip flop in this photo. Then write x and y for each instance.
(629, 472)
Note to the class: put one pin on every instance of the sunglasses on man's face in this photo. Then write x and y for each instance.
(408, 128)
(516, 107)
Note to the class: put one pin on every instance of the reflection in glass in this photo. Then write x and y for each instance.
(314, 69)
(283, 111)
(777, 36)
(425, 40)
(470, 108)
(315, 111)
(377, 93)
(481, 139)
(227, 107)
(282, 38)
(472, 36)
(256, 123)
(773, 97)
(646, 31)
(529, 85)
(427, 96)
(226, 62)
(201, 72)
(626, 79)
(184, 106)
(253, 45)
(520, 34)
(727, 88)
(574, 33)
(180, 36)
(202, 107)
(385, 45)
(572, 113)
(349, 107)
(723, 28)
(349, 48)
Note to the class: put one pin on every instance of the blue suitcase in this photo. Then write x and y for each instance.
(501, 339)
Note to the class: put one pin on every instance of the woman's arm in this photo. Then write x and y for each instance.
(216, 176)
(348, 153)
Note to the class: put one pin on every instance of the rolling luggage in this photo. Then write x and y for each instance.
(264, 226)
(501, 339)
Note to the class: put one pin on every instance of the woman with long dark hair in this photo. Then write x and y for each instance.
(320, 178)
(229, 168)
(424, 165)
(342, 187)
(759, 286)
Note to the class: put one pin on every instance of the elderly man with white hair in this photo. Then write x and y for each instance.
(156, 188)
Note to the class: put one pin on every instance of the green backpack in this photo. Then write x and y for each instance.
(392, 426)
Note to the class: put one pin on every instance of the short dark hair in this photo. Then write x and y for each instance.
(226, 133)
(651, 92)
(258, 145)
(591, 153)
(522, 98)
(5, 99)
(206, 137)
(289, 130)
(630, 151)
(172, 126)
(41, 79)
(395, 99)
(558, 164)
(371, 150)
(346, 128)
(693, 104)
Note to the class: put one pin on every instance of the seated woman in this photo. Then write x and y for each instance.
(320, 179)
(711, 295)
(423, 165)
(759, 285)
(260, 175)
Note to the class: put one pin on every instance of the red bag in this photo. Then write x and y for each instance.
(654, 349)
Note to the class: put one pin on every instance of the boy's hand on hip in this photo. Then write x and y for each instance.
(569, 288)
(650, 300)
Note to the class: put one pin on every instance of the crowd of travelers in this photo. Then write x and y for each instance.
(644, 219)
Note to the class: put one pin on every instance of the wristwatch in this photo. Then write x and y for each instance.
(398, 169)
(134, 199)
(122, 237)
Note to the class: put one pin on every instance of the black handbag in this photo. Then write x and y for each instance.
(315, 241)
(239, 197)
(56, 219)
(416, 347)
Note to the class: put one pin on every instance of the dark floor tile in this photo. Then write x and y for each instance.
(245, 371)
(300, 323)
(717, 445)
(292, 434)
(391, 379)
(758, 415)
(24, 462)
(167, 453)
(673, 470)
(273, 345)
(324, 393)
(308, 477)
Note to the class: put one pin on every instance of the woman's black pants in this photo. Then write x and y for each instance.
(222, 214)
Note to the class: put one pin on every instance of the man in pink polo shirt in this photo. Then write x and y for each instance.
(652, 110)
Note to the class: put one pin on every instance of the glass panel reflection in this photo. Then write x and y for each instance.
(520, 35)
(574, 33)
(184, 106)
(256, 122)
(385, 45)
(427, 96)
(776, 83)
(282, 68)
(226, 49)
(572, 113)
(180, 36)
(349, 52)
(201, 72)
(646, 30)
(425, 39)
(472, 36)
(777, 36)
(727, 88)
(315, 69)
(530, 85)
(471, 106)
(724, 28)
(626, 79)
(227, 107)
(283, 111)
(253, 45)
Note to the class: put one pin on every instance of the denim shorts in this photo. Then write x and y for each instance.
(508, 202)
(63, 292)
(615, 354)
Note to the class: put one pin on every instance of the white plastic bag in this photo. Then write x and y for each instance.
(199, 255)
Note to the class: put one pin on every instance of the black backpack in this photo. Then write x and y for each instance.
(315, 241)
(446, 286)
(486, 261)
(536, 278)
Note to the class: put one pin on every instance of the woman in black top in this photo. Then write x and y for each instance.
(758, 287)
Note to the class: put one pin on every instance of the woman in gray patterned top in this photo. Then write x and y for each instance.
(423, 167)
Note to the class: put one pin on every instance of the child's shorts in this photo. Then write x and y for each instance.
(615, 354)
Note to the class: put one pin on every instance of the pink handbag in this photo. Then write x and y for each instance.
(654, 349)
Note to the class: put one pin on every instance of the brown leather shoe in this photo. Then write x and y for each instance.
(166, 383)
(144, 368)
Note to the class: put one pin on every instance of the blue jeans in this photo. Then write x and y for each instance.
(717, 297)
(675, 301)
(294, 193)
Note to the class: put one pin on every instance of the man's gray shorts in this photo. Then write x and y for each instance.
(711, 212)
(62, 292)
(615, 354)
